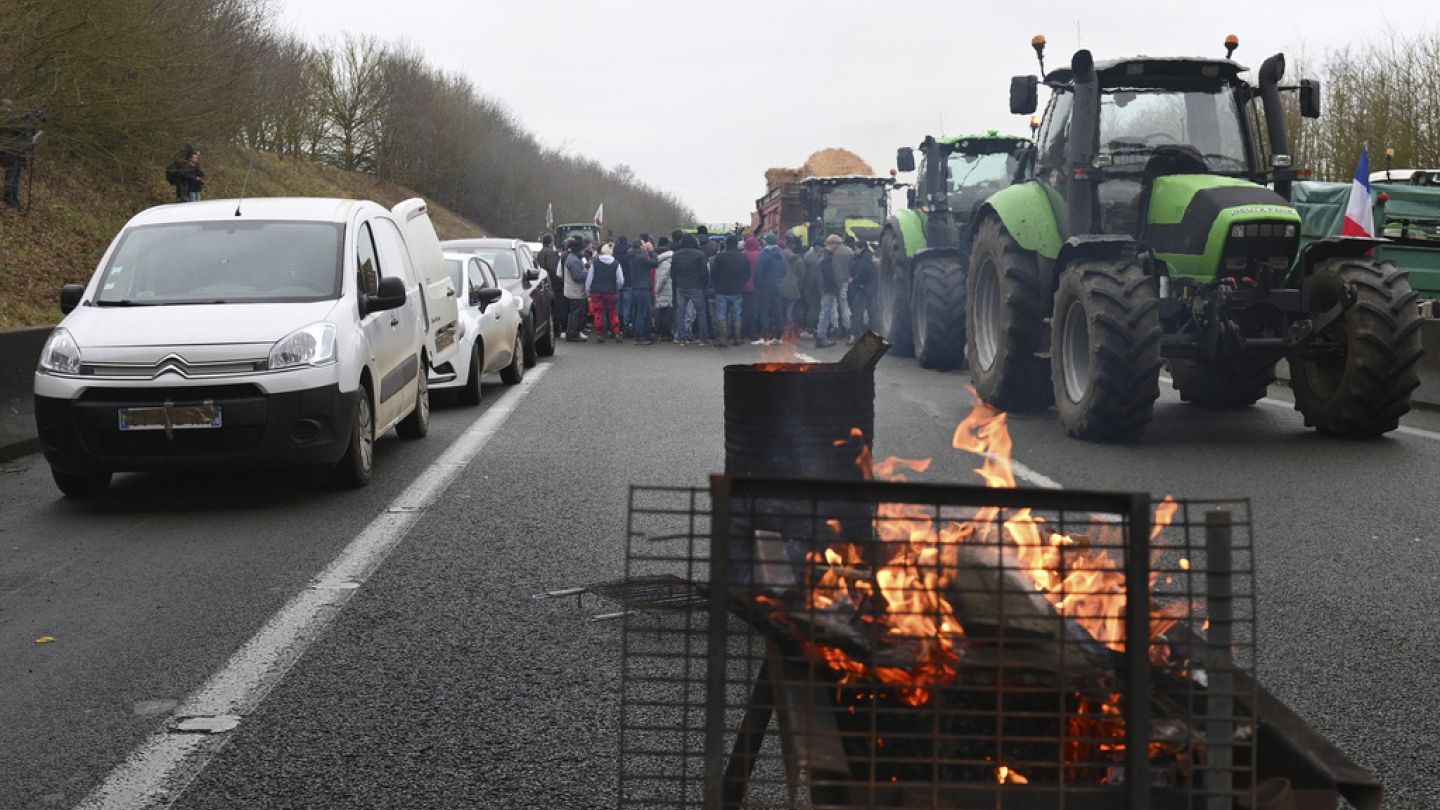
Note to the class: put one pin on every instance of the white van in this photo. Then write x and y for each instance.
(442, 312)
(293, 333)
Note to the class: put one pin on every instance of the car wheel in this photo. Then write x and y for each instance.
(353, 469)
(515, 372)
(530, 353)
(470, 394)
(417, 424)
(81, 485)
(545, 344)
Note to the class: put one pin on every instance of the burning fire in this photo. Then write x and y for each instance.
(1082, 583)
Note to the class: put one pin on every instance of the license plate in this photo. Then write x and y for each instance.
(205, 416)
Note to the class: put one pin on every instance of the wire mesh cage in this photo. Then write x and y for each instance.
(875, 645)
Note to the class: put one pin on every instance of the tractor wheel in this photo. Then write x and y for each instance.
(1105, 349)
(1364, 389)
(1005, 312)
(938, 309)
(1222, 386)
(894, 304)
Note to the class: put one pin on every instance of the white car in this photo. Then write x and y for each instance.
(491, 334)
(291, 334)
(515, 267)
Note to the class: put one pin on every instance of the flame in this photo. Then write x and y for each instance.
(905, 595)
(1004, 774)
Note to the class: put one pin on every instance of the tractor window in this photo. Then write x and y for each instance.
(1054, 132)
(972, 178)
(1138, 123)
(854, 201)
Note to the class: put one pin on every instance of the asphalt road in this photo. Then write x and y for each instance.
(443, 683)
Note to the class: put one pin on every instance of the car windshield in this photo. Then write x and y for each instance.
(224, 263)
(854, 201)
(973, 178)
(1135, 121)
(502, 259)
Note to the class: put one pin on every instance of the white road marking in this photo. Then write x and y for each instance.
(805, 358)
(1290, 406)
(157, 772)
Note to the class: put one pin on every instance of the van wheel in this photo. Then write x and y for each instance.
(470, 394)
(417, 424)
(81, 485)
(353, 469)
(515, 372)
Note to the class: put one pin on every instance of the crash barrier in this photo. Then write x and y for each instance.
(1428, 394)
(19, 351)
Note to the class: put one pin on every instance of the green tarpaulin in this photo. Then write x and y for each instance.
(1322, 213)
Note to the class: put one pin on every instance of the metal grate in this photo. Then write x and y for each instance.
(902, 645)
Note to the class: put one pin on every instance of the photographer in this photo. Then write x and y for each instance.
(17, 139)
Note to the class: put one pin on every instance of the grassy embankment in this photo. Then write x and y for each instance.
(77, 210)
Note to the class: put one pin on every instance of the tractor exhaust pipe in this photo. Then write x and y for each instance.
(1272, 70)
(1085, 129)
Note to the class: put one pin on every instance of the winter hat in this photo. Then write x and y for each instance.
(771, 238)
(833, 239)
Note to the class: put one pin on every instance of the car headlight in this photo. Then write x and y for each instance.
(61, 355)
(313, 345)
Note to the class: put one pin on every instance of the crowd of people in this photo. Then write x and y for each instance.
(695, 289)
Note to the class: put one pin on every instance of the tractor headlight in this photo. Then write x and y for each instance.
(1280, 161)
(1237, 231)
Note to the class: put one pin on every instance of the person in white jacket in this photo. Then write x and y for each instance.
(664, 293)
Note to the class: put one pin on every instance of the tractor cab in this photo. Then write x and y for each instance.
(958, 173)
(850, 205)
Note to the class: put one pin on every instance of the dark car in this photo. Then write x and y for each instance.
(515, 268)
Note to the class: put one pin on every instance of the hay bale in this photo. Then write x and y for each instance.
(778, 176)
(834, 163)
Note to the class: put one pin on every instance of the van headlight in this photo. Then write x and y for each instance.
(61, 354)
(313, 345)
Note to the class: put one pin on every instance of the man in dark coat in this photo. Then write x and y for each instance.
(639, 276)
(17, 139)
(730, 274)
(548, 259)
(862, 291)
(186, 175)
(689, 273)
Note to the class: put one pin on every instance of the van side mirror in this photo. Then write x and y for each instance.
(1024, 94)
(70, 296)
(485, 296)
(905, 159)
(390, 295)
(1309, 98)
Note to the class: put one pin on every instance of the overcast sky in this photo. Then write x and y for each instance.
(700, 98)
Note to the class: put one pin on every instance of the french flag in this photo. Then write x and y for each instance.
(1359, 215)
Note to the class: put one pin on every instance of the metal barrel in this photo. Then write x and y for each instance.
(796, 420)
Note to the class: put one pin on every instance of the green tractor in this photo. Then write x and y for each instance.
(584, 230)
(924, 247)
(847, 205)
(1145, 235)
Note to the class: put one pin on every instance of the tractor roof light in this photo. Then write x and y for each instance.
(1281, 161)
(1231, 43)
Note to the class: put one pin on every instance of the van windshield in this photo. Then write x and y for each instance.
(224, 263)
